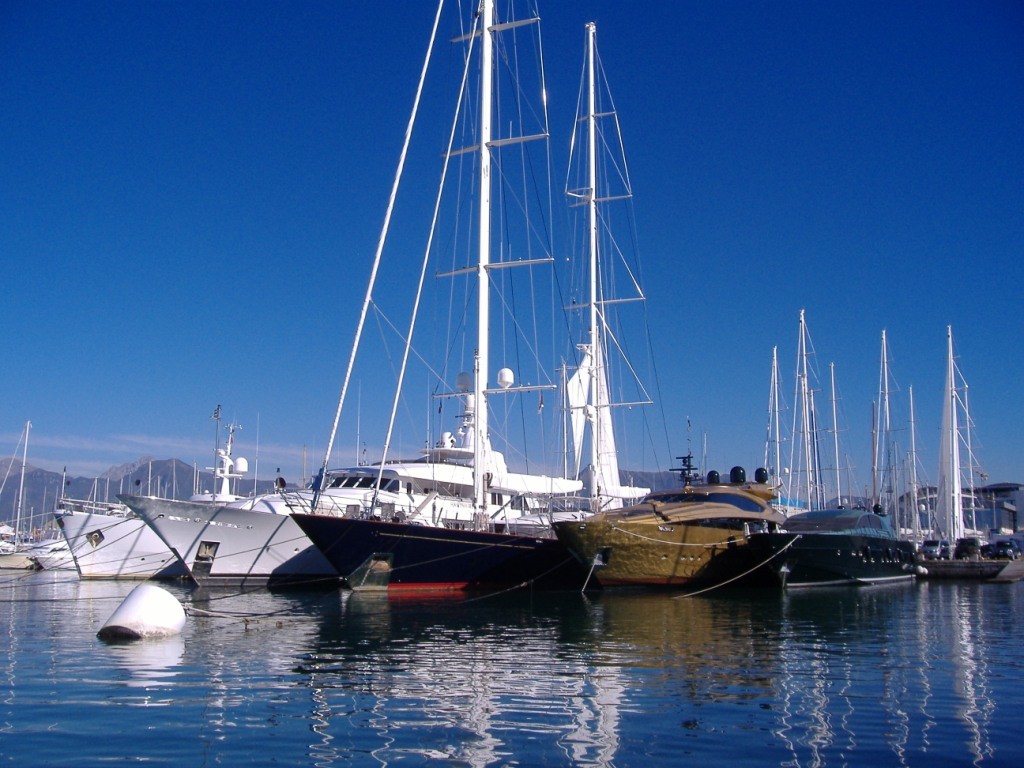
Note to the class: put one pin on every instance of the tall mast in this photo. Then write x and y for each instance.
(915, 523)
(588, 395)
(21, 486)
(835, 434)
(772, 447)
(595, 344)
(950, 494)
(808, 442)
(883, 448)
(482, 360)
(971, 469)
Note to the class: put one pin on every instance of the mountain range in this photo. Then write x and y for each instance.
(169, 478)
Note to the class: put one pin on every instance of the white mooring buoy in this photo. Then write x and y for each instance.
(148, 611)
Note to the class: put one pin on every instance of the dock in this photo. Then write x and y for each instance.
(998, 571)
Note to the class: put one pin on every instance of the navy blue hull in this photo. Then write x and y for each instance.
(819, 559)
(400, 556)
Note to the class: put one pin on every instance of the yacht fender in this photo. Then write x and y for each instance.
(148, 611)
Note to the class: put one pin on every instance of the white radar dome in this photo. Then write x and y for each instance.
(506, 378)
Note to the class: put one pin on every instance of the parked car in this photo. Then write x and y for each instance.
(1006, 549)
(967, 548)
(935, 549)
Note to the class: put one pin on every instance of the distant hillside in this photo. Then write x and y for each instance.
(170, 478)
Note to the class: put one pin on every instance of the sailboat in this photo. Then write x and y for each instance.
(687, 536)
(461, 483)
(949, 501)
(828, 544)
(448, 550)
(954, 522)
(15, 552)
(588, 392)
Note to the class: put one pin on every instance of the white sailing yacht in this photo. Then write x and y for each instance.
(400, 555)
(15, 552)
(588, 391)
(956, 459)
(461, 483)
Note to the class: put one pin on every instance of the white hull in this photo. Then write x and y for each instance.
(16, 561)
(116, 546)
(55, 556)
(230, 544)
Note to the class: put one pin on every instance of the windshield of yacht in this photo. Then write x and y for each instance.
(737, 500)
(364, 481)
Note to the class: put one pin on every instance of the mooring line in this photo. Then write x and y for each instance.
(740, 576)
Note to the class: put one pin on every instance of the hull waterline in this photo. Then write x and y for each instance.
(819, 559)
(666, 556)
(117, 546)
(234, 546)
(372, 554)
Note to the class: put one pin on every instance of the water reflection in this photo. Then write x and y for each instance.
(149, 663)
(479, 682)
(831, 676)
(473, 681)
(874, 667)
(910, 675)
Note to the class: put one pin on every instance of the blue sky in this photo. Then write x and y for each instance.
(190, 196)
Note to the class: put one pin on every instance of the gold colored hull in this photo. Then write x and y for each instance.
(657, 554)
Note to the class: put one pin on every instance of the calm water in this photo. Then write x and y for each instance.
(927, 674)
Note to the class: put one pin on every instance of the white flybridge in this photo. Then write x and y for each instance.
(226, 468)
(955, 447)
(587, 391)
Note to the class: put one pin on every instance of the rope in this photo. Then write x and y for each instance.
(244, 617)
(741, 575)
(593, 565)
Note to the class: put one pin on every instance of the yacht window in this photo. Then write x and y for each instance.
(869, 521)
(732, 499)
